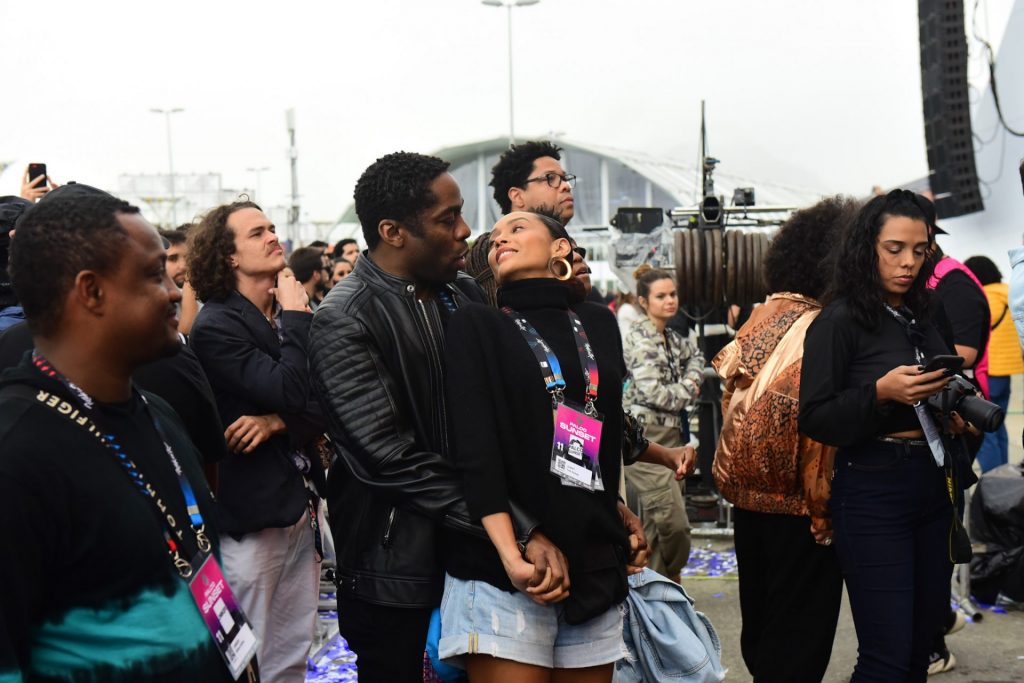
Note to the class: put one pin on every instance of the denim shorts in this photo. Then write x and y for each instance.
(477, 618)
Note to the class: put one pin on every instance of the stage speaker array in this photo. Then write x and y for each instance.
(947, 115)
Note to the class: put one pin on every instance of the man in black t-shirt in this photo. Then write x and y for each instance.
(89, 588)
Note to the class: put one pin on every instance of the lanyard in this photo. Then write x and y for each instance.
(109, 441)
(931, 431)
(550, 368)
(908, 325)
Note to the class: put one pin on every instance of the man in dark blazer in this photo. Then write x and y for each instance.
(251, 337)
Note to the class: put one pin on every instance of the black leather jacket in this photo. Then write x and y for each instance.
(376, 359)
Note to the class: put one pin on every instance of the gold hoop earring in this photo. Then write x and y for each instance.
(558, 260)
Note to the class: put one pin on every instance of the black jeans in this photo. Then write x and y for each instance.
(790, 592)
(389, 641)
(892, 518)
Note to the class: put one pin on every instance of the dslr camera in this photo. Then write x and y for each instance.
(961, 396)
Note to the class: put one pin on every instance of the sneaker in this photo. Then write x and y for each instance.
(957, 621)
(941, 662)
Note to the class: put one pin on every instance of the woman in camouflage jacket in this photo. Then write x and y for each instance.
(665, 374)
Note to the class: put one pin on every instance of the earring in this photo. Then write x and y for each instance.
(559, 261)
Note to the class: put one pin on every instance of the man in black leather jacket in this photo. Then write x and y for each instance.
(376, 349)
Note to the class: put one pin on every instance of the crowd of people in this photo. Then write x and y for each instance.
(190, 423)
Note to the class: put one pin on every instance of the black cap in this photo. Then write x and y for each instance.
(11, 208)
(74, 190)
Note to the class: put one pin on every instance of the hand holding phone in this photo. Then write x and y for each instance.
(36, 182)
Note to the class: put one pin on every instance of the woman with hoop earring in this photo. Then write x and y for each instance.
(665, 375)
(536, 397)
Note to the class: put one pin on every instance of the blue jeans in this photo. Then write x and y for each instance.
(995, 448)
(892, 517)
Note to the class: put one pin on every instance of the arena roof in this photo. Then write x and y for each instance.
(608, 178)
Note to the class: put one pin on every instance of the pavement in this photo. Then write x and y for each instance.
(990, 650)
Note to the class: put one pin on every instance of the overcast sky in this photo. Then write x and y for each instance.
(818, 94)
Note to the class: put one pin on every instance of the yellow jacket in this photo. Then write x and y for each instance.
(1004, 350)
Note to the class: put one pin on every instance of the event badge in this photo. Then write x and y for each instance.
(225, 620)
(574, 453)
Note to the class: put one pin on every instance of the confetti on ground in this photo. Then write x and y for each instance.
(333, 663)
(707, 563)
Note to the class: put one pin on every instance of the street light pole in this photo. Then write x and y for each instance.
(509, 4)
(170, 160)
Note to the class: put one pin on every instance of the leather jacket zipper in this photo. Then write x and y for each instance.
(387, 529)
(434, 348)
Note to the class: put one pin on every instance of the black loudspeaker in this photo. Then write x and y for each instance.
(947, 115)
(638, 219)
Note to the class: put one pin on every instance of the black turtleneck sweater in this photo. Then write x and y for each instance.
(503, 427)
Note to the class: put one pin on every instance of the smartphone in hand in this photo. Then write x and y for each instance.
(35, 171)
(952, 363)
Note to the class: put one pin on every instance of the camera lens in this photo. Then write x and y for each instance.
(984, 415)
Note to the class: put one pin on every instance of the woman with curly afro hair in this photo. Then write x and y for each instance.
(778, 480)
(863, 390)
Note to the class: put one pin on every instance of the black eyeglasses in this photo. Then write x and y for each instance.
(582, 251)
(555, 180)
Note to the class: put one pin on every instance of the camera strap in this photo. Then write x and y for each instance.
(928, 426)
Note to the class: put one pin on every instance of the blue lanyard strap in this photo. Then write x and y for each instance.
(80, 417)
(550, 368)
(191, 504)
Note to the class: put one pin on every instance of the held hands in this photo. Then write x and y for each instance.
(290, 293)
(542, 572)
(638, 549)
(907, 384)
(249, 431)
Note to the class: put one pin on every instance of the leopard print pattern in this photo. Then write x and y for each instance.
(757, 345)
(765, 471)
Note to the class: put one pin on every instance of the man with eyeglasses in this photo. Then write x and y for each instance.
(530, 175)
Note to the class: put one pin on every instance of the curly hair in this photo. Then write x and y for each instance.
(57, 239)
(210, 246)
(797, 258)
(514, 168)
(984, 269)
(396, 187)
(855, 259)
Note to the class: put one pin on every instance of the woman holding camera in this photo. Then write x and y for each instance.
(535, 389)
(863, 389)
